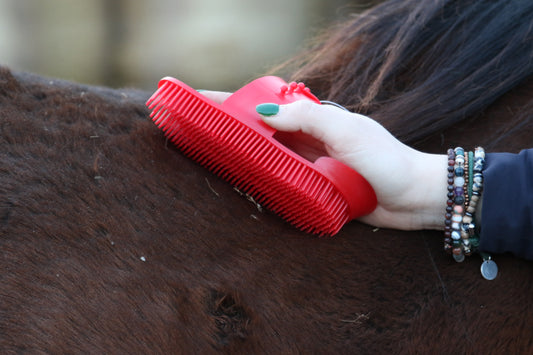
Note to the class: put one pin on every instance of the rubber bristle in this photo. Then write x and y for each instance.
(248, 160)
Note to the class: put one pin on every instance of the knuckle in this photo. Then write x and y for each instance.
(306, 109)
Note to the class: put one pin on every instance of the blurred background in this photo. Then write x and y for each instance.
(210, 44)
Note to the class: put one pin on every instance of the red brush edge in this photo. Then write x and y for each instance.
(232, 141)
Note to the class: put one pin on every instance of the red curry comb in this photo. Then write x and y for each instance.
(232, 141)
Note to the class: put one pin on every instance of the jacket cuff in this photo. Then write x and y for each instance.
(507, 208)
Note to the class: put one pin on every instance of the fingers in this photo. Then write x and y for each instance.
(324, 122)
(217, 96)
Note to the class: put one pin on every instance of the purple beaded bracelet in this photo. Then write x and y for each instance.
(458, 208)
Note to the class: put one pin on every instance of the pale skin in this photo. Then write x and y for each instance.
(410, 185)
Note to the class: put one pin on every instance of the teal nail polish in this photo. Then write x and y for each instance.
(267, 109)
(200, 90)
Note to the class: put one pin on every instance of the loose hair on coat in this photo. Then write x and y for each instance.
(111, 241)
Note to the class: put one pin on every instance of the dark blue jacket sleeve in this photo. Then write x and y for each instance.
(507, 210)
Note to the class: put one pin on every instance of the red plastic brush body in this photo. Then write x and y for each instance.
(232, 141)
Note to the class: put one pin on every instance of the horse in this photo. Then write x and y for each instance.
(112, 241)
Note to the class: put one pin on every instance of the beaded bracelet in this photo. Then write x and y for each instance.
(467, 179)
(458, 251)
(465, 185)
(449, 203)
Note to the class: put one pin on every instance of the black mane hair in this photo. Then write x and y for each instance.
(419, 67)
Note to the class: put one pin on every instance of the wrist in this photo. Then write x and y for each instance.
(419, 199)
(430, 189)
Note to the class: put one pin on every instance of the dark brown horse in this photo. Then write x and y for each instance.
(113, 242)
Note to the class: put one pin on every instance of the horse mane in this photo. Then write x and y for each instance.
(419, 67)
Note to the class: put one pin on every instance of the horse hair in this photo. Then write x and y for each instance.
(111, 241)
(419, 67)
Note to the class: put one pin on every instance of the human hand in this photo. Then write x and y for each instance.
(410, 185)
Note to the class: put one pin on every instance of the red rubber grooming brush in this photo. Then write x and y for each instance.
(232, 141)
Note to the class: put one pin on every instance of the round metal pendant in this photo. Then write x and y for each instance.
(489, 269)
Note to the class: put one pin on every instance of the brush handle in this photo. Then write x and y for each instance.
(241, 104)
(268, 89)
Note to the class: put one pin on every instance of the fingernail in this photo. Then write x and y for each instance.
(200, 90)
(267, 109)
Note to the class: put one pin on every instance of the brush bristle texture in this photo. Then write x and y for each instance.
(249, 161)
